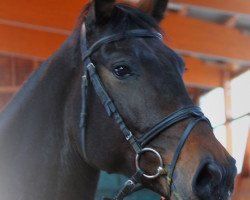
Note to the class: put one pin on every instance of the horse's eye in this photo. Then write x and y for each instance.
(122, 71)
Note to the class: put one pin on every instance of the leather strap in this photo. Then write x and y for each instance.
(129, 187)
(121, 36)
(110, 107)
(186, 133)
(177, 116)
(90, 73)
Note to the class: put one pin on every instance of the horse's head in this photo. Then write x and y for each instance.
(143, 77)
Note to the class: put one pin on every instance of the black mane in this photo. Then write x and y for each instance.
(125, 17)
(129, 17)
(122, 16)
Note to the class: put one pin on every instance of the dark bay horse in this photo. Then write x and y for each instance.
(42, 153)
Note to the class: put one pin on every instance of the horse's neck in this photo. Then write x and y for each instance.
(37, 160)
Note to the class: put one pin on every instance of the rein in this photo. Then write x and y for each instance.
(138, 144)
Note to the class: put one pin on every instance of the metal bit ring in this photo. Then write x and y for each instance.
(159, 169)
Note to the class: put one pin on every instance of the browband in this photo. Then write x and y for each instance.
(121, 36)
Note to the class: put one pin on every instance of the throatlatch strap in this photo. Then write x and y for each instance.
(83, 114)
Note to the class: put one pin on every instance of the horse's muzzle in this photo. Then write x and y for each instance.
(213, 181)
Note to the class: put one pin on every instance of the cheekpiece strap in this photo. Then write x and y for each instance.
(89, 70)
(110, 107)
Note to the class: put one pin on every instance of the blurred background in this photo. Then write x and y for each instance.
(213, 37)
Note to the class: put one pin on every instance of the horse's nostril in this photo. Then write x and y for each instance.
(215, 174)
(207, 179)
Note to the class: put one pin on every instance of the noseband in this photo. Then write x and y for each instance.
(138, 144)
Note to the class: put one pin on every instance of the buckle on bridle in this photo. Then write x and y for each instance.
(160, 169)
(128, 135)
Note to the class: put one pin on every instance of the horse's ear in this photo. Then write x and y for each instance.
(155, 8)
(101, 10)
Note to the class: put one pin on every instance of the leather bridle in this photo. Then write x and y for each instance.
(138, 144)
